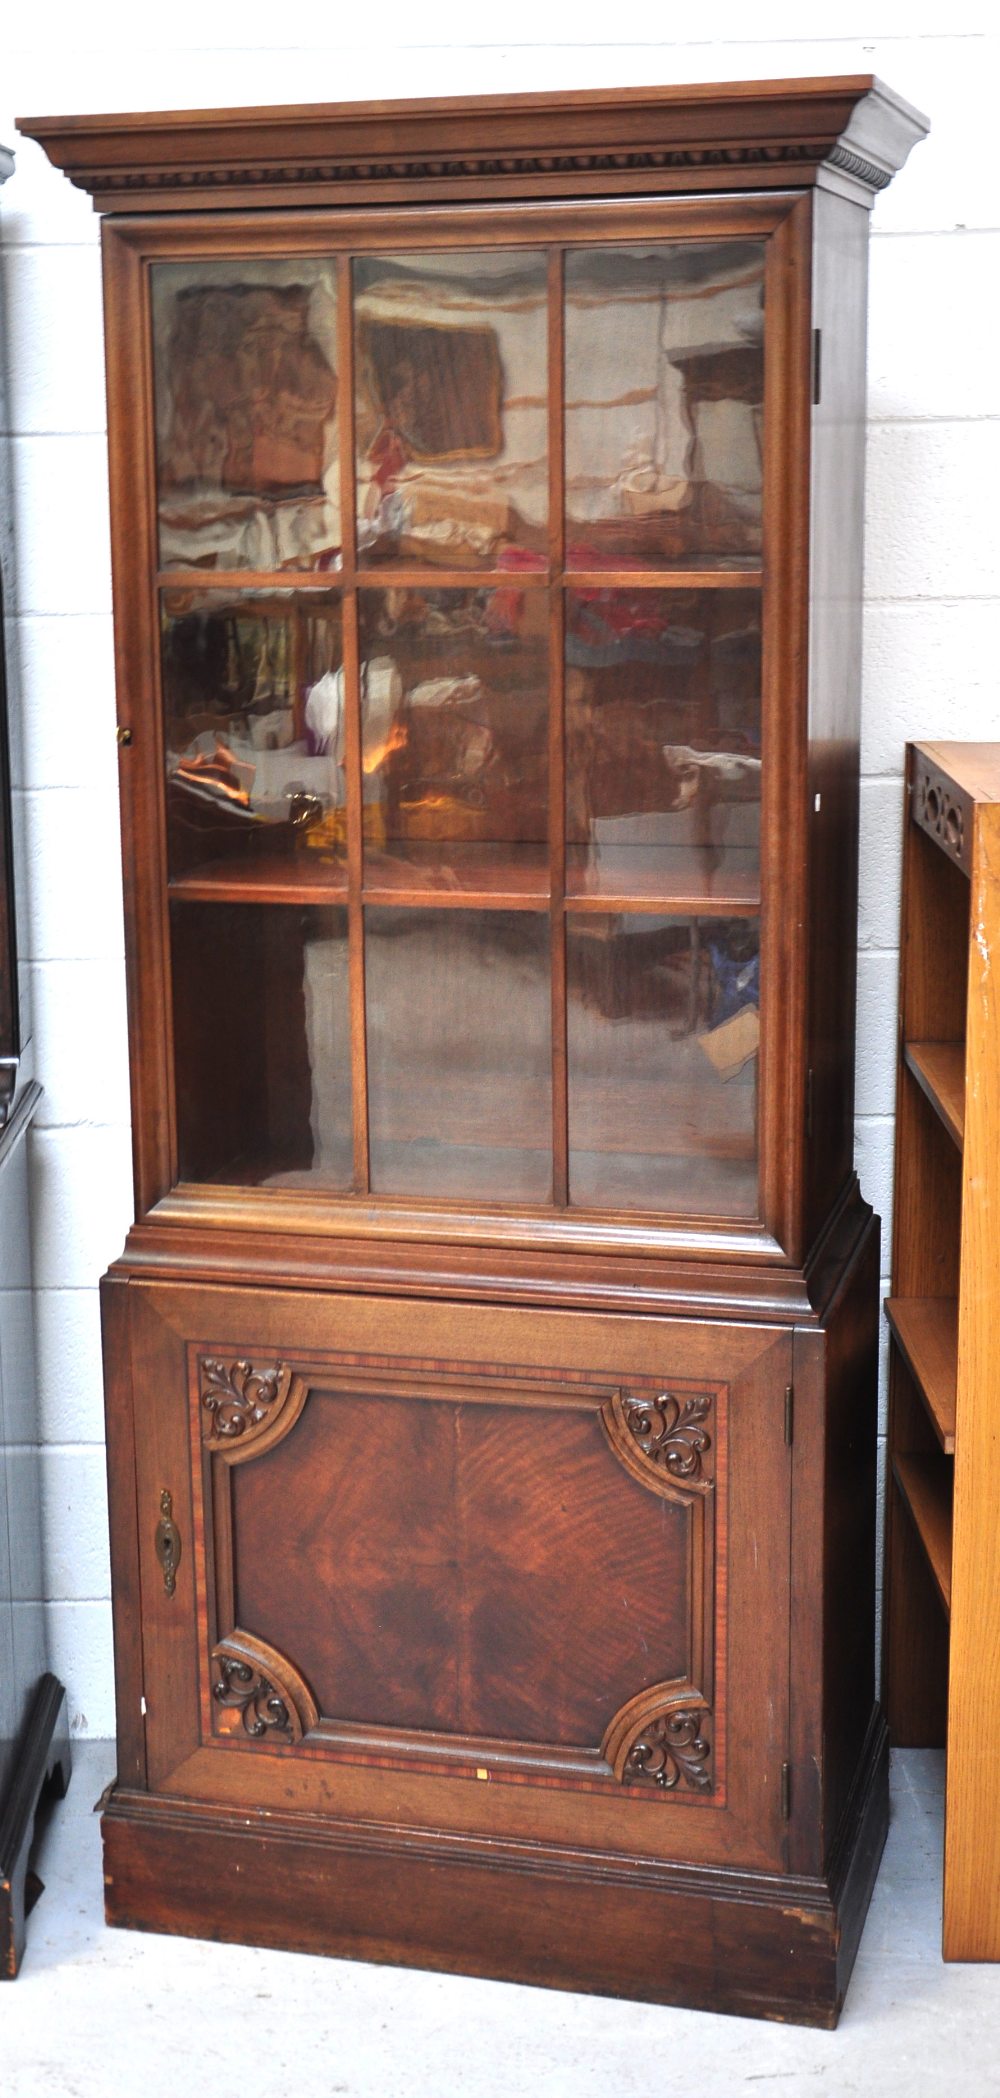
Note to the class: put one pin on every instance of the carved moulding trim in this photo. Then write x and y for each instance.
(245, 1411)
(274, 1701)
(661, 1740)
(866, 171)
(468, 166)
(662, 1440)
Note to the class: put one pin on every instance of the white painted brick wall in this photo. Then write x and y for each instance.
(932, 630)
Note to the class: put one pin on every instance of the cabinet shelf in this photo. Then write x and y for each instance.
(730, 577)
(651, 879)
(412, 575)
(925, 1490)
(926, 1332)
(939, 1069)
(263, 878)
(470, 877)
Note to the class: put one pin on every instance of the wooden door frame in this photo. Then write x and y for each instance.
(130, 247)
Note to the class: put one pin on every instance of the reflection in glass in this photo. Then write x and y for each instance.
(451, 357)
(253, 690)
(262, 1044)
(456, 752)
(246, 414)
(664, 402)
(663, 724)
(663, 1033)
(459, 1035)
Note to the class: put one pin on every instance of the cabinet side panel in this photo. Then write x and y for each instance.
(833, 1557)
(125, 1588)
(130, 443)
(972, 1832)
(784, 666)
(840, 280)
(849, 1526)
(164, 1537)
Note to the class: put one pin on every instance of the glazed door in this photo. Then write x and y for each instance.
(478, 734)
(496, 1572)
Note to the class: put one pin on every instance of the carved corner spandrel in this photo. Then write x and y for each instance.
(257, 1691)
(663, 1439)
(246, 1411)
(661, 1741)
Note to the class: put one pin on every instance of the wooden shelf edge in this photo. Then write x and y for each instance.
(928, 1500)
(925, 1330)
(939, 1070)
(618, 903)
(292, 889)
(415, 575)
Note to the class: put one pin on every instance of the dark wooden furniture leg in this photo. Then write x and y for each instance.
(44, 1766)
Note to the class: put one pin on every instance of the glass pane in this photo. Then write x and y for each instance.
(246, 414)
(663, 719)
(459, 1033)
(253, 700)
(452, 419)
(663, 1034)
(455, 704)
(664, 397)
(262, 1044)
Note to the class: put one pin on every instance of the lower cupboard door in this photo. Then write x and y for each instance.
(499, 1574)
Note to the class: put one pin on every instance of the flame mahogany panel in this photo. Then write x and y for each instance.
(433, 1578)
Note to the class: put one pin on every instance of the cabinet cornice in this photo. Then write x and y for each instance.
(738, 135)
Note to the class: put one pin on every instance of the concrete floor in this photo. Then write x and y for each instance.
(114, 2014)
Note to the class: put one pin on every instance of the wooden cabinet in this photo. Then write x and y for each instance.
(942, 1564)
(491, 1364)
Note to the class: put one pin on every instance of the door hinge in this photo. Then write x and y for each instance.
(786, 1791)
(789, 1414)
(817, 364)
(809, 1103)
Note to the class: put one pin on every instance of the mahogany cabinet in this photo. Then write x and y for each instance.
(491, 1366)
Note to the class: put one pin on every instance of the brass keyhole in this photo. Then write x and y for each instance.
(167, 1542)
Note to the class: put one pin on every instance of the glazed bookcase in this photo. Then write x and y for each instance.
(490, 1367)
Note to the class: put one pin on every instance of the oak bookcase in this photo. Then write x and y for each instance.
(491, 1366)
(942, 1615)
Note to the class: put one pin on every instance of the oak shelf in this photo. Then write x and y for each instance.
(943, 1473)
(928, 1498)
(926, 1331)
(939, 1069)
